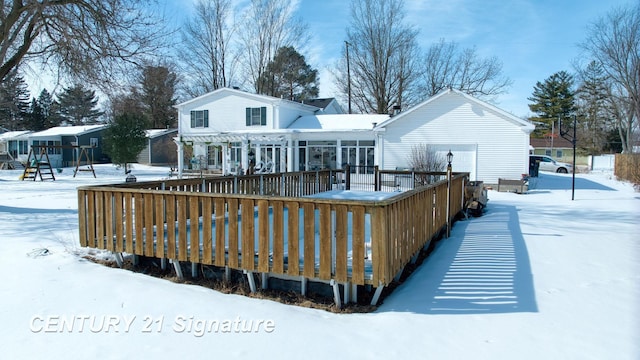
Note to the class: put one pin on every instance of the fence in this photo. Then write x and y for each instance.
(627, 167)
(264, 223)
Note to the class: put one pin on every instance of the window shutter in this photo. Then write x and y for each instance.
(206, 118)
(248, 116)
(193, 119)
(263, 116)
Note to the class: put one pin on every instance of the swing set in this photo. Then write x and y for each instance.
(39, 165)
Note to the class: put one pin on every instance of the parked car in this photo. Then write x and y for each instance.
(549, 164)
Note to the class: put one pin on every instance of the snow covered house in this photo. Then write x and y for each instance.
(15, 144)
(61, 139)
(235, 130)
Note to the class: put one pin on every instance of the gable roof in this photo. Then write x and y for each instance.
(558, 142)
(10, 135)
(338, 122)
(264, 98)
(68, 130)
(154, 133)
(320, 103)
(527, 126)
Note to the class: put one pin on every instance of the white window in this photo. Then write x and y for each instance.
(256, 116)
(200, 118)
(93, 142)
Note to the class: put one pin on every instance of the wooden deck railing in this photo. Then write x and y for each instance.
(226, 222)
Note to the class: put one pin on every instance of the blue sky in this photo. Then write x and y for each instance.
(533, 39)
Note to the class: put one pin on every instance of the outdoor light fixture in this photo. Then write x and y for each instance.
(449, 158)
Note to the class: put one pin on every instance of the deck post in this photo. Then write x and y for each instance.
(119, 259)
(178, 269)
(347, 291)
(376, 295)
(194, 270)
(136, 260)
(265, 281)
(303, 286)
(252, 282)
(336, 293)
(163, 263)
(227, 274)
(398, 275)
(354, 293)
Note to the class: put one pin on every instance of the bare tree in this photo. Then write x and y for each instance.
(614, 42)
(424, 158)
(445, 65)
(207, 40)
(267, 26)
(86, 39)
(382, 57)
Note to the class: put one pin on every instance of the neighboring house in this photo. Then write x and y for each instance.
(555, 146)
(64, 138)
(16, 144)
(233, 129)
(160, 149)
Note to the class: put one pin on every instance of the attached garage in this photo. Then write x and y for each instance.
(487, 142)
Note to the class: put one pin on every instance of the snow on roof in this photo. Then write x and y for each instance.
(338, 122)
(67, 130)
(151, 133)
(13, 134)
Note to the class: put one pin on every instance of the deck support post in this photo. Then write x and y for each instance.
(347, 291)
(119, 259)
(227, 274)
(303, 286)
(177, 268)
(354, 293)
(336, 293)
(415, 257)
(194, 270)
(136, 260)
(265, 281)
(398, 275)
(376, 295)
(252, 281)
(163, 263)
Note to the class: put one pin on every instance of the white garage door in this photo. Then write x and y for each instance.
(464, 157)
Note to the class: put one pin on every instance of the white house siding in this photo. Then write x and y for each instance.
(484, 143)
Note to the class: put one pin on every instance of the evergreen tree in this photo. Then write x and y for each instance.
(78, 106)
(552, 100)
(289, 76)
(595, 120)
(157, 96)
(14, 102)
(50, 108)
(124, 138)
(36, 120)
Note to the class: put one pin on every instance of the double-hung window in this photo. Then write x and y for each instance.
(199, 118)
(256, 116)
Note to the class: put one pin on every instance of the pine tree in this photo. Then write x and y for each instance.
(50, 108)
(289, 76)
(14, 102)
(595, 120)
(78, 106)
(124, 138)
(157, 96)
(552, 100)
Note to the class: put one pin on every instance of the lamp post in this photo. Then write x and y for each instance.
(449, 159)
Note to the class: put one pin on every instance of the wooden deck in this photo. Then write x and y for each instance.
(269, 218)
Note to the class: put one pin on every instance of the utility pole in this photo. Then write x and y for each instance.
(348, 75)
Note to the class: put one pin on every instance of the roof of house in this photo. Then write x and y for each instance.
(263, 98)
(558, 142)
(13, 134)
(338, 122)
(154, 133)
(67, 130)
(321, 103)
(510, 117)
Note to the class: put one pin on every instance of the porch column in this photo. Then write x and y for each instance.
(225, 158)
(180, 151)
(290, 152)
(339, 154)
(244, 160)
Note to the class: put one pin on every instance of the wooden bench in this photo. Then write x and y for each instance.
(517, 186)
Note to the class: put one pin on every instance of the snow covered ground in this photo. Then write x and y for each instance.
(537, 277)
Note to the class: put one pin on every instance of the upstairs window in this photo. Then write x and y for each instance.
(199, 118)
(257, 116)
